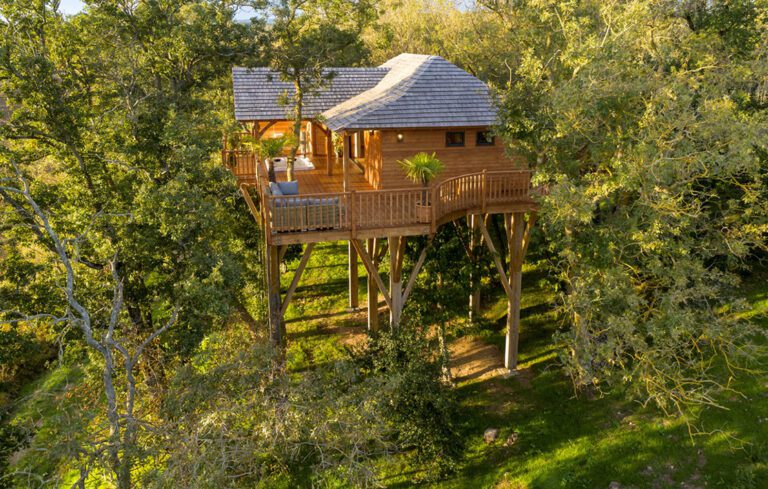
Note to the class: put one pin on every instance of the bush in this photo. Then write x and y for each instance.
(418, 401)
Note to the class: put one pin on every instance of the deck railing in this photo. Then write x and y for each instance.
(377, 209)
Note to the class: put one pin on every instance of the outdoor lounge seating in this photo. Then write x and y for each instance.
(291, 211)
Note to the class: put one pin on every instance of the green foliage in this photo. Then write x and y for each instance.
(418, 401)
(114, 117)
(422, 167)
(235, 417)
(273, 147)
(648, 140)
(305, 39)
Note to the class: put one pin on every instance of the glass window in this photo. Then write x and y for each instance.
(485, 138)
(455, 138)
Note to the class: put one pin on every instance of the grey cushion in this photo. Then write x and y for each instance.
(323, 201)
(289, 188)
(275, 188)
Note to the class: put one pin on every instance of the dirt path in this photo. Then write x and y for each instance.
(473, 359)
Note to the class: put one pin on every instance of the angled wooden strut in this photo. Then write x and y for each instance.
(372, 270)
(251, 205)
(394, 296)
(296, 278)
(518, 237)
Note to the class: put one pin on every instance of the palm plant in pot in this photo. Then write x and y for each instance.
(422, 168)
(269, 149)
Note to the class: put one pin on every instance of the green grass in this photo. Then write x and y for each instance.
(563, 441)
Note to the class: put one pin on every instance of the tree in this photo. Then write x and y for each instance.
(305, 40)
(113, 116)
(648, 134)
(120, 444)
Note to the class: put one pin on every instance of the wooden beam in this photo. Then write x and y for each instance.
(248, 200)
(517, 230)
(396, 253)
(273, 292)
(283, 250)
(345, 160)
(372, 271)
(382, 250)
(296, 277)
(398, 273)
(330, 156)
(527, 237)
(264, 129)
(373, 290)
(496, 259)
(415, 271)
(354, 301)
(474, 280)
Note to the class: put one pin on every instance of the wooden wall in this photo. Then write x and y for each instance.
(373, 159)
(318, 140)
(458, 160)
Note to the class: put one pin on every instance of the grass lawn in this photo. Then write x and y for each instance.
(562, 441)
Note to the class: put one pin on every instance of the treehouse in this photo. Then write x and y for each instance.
(349, 185)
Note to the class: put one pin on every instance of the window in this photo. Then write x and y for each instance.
(485, 138)
(454, 138)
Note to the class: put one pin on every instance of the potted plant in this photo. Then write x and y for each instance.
(269, 149)
(422, 168)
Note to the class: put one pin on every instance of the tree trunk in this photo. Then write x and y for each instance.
(298, 114)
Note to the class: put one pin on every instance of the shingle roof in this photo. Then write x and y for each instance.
(418, 91)
(258, 90)
(410, 90)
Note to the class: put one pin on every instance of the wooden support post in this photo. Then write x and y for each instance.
(329, 152)
(353, 282)
(515, 224)
(372, 271)
(396, 252)
(474, 279)
(277, 335)
(345, 159)
(373, 290)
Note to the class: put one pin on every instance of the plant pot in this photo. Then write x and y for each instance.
(424, 212)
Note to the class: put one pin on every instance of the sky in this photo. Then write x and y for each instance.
(75, 6)
(70, 6)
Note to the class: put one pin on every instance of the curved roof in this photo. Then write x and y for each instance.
(418, 91)
(408, 91)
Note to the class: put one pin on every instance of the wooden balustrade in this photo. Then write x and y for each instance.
(242, 163)
(308, 212)
(380, 209)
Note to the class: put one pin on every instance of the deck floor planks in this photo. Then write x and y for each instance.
(318, 181)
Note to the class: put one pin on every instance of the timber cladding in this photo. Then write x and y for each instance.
(458, 160)
(373, 158)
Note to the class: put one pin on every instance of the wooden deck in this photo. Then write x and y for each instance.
(318, 181)
(324, 211)
(315, 181)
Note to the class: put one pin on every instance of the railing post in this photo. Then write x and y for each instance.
(483, 186)
(435, 204)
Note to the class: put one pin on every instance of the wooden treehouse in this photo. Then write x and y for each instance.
(351, 187)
